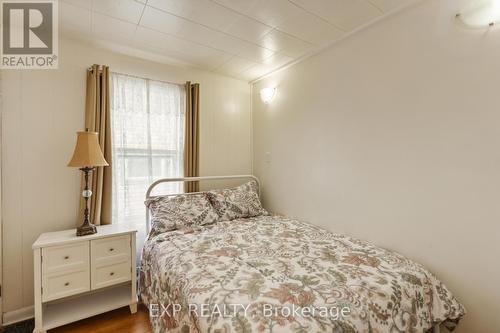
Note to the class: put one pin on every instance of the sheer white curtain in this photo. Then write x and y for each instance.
(147, 126)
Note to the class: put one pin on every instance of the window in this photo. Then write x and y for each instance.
(147, 125)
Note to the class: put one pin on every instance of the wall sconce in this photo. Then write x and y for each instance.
(267, 94)
(480, 13)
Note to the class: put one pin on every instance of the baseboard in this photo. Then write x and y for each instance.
(18, 315)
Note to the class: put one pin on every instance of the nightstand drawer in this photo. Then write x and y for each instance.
(65, 284)
(110, 250)
(65, 258)
(111, 274)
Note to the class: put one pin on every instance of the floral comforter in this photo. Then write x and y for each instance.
(275, 274)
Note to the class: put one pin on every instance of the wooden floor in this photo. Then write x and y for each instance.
(118, 321)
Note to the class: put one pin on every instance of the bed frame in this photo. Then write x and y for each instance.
(186, 180)
(435, 329)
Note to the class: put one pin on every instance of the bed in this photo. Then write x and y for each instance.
(271, 273)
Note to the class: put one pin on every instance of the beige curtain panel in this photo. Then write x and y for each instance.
(192, 136)
(97, 119)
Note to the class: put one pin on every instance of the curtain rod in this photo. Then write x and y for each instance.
(146, 78)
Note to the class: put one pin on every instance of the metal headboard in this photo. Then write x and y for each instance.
(185, 180)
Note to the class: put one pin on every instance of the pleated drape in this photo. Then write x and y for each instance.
(97, 119)
(192, 136)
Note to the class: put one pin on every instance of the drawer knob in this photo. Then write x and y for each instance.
(66, 257)
(111, 250)
(66, 284)
(112, 273)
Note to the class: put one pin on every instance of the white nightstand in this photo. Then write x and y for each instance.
(79, 277)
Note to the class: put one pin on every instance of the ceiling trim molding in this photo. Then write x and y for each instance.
(351, 33)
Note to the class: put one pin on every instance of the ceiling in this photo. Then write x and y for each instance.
(245, 39)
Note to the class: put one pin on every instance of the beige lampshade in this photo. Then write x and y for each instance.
(87, 151)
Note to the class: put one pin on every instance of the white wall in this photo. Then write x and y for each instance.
(393, 135)
(42, 112)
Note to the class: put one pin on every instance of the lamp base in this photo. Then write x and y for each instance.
(86, 229)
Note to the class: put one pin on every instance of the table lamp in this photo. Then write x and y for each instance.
(87, 156)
